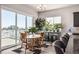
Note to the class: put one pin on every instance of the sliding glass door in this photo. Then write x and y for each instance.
(21, 22)
(29, 22)
(8, 28)
(12, 24)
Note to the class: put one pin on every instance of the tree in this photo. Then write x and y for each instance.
(12, 27)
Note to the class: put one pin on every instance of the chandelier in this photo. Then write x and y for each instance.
(41, 7)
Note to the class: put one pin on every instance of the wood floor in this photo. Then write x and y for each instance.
(48, 50)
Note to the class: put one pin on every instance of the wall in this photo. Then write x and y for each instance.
(66, 16)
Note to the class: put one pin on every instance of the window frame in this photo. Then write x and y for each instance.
(54, 19)
(15, 25)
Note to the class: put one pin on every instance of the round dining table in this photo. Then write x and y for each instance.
(33, 39)
(33, 36)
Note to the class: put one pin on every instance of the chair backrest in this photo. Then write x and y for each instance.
(42, 34)
(23, 36)
(59, 47)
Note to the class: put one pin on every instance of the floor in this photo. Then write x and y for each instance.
(48, 50)
(8, 41)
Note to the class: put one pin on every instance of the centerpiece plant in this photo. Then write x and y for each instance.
(33, 30)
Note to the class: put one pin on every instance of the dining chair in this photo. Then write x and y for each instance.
(24, 41)
(23, 38)
(32, 44)
(41, 40)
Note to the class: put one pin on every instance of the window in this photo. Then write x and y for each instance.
(12, 24)
(54, 20)
(50, 20)
(21, 20)
(29, 22)
(57, 20)
(8, 28)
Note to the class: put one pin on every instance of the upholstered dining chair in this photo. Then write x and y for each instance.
(24, 41)
(23, 36)
(41, 38)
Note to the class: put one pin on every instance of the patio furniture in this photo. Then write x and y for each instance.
(41, 38)
(34, 40)
(23, 36)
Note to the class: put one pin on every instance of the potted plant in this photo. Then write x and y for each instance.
(48, 26)
(33, 30)
(57, 27)
(40, 23)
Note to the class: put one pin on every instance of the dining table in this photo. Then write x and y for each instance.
(33, 39)
(33, 36)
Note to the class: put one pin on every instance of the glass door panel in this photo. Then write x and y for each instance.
(21, 20)
(29, 22)
(8, 28)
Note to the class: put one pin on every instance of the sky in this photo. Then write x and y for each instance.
(8, 18)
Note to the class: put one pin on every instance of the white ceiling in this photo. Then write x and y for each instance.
(49, 6)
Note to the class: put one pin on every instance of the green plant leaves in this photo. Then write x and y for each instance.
(33, 29)
(40, 23)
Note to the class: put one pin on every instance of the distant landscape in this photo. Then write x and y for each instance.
(9, 32)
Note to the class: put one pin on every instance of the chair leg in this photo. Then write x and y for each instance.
(21, 45)
(25, 48)
(25, 51)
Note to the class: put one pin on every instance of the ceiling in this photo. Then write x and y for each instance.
(49, 6)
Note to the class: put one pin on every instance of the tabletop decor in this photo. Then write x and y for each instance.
(33, 30)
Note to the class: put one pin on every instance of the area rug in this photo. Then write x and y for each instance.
(46, 46)
(36, 51)
(18, 50)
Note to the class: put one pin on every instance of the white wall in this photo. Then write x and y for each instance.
(66, 16)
